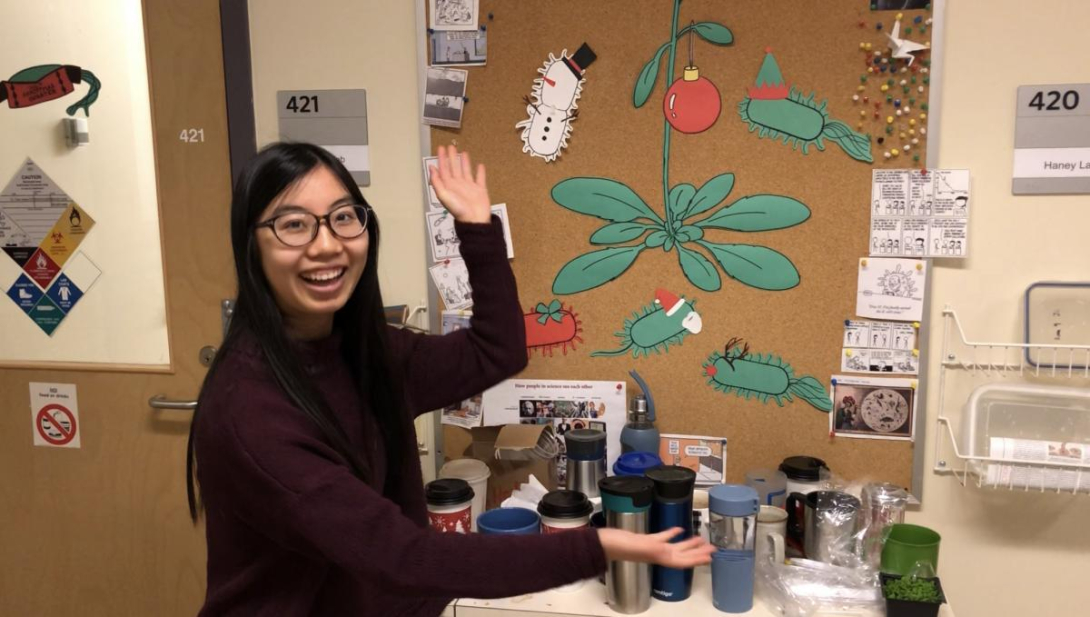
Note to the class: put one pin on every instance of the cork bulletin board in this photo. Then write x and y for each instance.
(814, 47)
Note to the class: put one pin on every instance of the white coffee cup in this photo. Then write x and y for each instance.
(771, 529)
(476, 473)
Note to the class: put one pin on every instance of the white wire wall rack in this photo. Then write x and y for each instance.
(1036, 372)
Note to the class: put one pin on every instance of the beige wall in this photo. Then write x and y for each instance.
(1006, 553)
(370, 44)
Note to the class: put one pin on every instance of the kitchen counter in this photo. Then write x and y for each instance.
(590, 601)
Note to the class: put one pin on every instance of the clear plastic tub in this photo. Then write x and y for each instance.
(1046, 429)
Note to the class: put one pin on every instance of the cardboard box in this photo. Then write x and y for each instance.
(508, 451)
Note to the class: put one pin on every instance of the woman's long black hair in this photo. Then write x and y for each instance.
(361, 323)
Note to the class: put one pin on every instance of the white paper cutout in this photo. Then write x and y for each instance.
(900, 47)
(553, 106)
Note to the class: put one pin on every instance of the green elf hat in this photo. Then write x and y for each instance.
(770, 84)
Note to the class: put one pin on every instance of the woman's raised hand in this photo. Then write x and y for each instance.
(460, 193)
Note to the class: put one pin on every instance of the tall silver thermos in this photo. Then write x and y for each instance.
(586, 453)
(626, 501)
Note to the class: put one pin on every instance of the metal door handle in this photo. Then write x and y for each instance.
(160, 401)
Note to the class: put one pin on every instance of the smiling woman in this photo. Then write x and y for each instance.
(303, 441)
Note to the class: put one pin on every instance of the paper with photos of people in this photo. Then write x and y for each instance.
(916, 213)
(891, 288)
(452, 280)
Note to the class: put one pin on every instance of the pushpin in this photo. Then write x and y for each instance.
(920, 89)
(917, 19)
(884, 88)
(833, 381)
(916, 324)
(902, 135)
(898, 112)
(887, 155)
(870, 69)
(907, 147)
(911, 122)
(848, 352)
(923, 131)
(908, 109)
(895, 152)
(913, 384)
(863, 24)
(915, 353)
(868, 46)
(903, 82)
(866, 99)
(896, 102)
(923, 116)
(863, 262)
(900, 16)
(855, 98)
(916, 159)
(915, 141)
(847, 322)
(862, 113)
(860, 88)
(863, 79)
(881, 140)
(919, 267)
(889, 119)
(862, 45)
(911, 131)
(878, 26)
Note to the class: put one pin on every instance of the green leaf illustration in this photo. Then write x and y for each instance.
(714, 33)
(594, 269)
(698, 269)
(756, 266)
(617, 233)
(655, 238)
(645, 83)
(680, 197)
(758, 213)
(710, 195)
(603, 198)
(688, 233)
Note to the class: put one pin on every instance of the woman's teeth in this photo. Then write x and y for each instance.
(323, 276)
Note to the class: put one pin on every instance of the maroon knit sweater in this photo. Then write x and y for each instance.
(291, 531)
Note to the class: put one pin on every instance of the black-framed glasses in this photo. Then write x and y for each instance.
(301, 228)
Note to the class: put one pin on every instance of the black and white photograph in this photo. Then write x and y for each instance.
(453, 14)
(459, 47)
(899, 5)
(443, 97)
(873, 408)
(442, 237)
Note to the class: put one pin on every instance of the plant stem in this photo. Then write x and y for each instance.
(666, 125)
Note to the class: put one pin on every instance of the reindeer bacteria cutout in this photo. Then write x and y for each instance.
(552, 107)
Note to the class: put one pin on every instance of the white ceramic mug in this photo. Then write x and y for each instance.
(771, 530)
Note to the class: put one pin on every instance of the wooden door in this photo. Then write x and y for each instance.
(104, 529)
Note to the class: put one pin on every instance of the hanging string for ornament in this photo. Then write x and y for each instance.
(692, 103)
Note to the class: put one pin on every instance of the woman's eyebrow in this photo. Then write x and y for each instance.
(282, 208)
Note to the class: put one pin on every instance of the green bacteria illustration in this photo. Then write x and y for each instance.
(657, 326)
(762, 377)
(777, 111)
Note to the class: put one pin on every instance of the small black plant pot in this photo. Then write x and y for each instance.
(911, 608)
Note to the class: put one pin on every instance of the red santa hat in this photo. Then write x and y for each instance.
(668, 301)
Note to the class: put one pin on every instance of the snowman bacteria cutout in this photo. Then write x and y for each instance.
(553, 106)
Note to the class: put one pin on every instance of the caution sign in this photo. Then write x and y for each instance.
(55, 411)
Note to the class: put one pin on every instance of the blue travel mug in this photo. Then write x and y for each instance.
(511, 521)
(673, 507)
(733, 530)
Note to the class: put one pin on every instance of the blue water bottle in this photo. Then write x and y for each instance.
(673, 507)
(733, 530)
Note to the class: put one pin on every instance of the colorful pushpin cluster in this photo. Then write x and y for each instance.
(900, 85)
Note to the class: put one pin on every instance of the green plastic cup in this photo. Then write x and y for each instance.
(907, 545)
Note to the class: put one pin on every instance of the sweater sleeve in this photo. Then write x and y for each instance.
(259, 461)
(442, 370)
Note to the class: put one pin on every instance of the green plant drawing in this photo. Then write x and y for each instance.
(689, 211)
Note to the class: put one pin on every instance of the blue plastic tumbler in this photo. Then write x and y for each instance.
(673, 507)
(733, 530)
(732, 580)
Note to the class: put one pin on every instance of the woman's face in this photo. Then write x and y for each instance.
(311, 282)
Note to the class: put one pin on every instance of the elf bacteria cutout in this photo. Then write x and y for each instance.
(553, 106)
(47, 82)
(779, 111)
